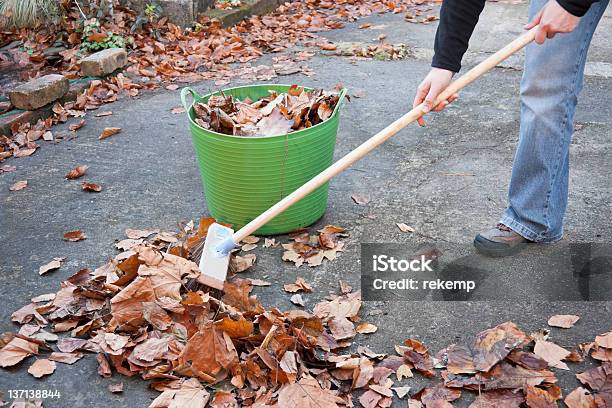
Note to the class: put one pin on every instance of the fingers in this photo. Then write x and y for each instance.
(422, 91)
(430, 99)
(541, 35)
(535, 21)
(445, 103)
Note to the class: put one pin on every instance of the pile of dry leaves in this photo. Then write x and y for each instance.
(145, 313)
(275, 114)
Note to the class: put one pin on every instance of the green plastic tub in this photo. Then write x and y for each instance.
(244, 176)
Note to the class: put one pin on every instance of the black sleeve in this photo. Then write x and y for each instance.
(457, 21)
(576, 7)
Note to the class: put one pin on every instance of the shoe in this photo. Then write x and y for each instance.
(499, 242)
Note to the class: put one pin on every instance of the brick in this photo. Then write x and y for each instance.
(39, 92)
(104, 62)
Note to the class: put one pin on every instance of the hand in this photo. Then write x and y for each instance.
(552, 19)
(434, 83)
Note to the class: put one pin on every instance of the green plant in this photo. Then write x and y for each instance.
(94, 39)
(151, 12)
(28, 13)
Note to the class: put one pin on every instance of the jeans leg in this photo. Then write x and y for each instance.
(552, 80)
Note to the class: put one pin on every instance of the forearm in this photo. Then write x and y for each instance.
(457, 21)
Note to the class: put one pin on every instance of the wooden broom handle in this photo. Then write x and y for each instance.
(370, 144)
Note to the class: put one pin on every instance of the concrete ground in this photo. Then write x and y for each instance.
(151, 179)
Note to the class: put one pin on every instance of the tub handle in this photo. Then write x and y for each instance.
(187, 90)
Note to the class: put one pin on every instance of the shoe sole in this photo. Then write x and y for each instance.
(496, 249)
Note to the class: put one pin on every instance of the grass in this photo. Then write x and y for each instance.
(27, 13)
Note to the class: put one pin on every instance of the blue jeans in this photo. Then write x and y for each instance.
(551, 83)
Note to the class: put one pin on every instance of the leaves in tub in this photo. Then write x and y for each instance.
(274, 114)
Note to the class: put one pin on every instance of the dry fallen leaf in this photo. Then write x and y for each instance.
(300, 284)
(77, 172)
(42, 367)
(66, 358)
(92, 187)
(366, 328)
(188, 394)
(580, 398)
(76, 126)
(108, 132)
(552, 353)
(404, 228)
(604, 340)
(16, 350)
(74, 236)
(54, 264)
(307, 393)
(19, 185)
(563, 321)
(102, 114)
(360, 199)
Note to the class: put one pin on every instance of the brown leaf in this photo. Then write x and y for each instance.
(7, 168)
(108, 132)
(493, 345)
(77, 172)
(76, 126)
(327, 46)
(404, 228)
(235, 328)
(604, 340)
(92, 187)
(595, 378)
(56, 263)
(66, 358)
(552, 353)
(539, 398)
(460, 360)
(74, 236)
(366, 328)
(18, 185)
(422, 363)
(299, 285)
(274, 124)
(307, 393)
(242, 263)
(439, 393)
(563, 321)
(16, 350)
(102, 114)
(580, 398)
(42, 367)
(498, 399)
(223, 399)
(104, 368)
(220, 352)
(188, 394)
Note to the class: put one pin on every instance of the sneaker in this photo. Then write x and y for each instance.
(499, 242)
